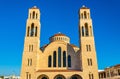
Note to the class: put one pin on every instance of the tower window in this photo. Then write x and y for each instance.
(54, 59)
(86, 29)
(28, 30)
(29, 62)
(69, 61)
(49, 61)
(91, 76)
(88, 48)
(64, 59)
(30, 48)
(85, 14)
(36, 31)
(33, 14)
(89, 62)
(32, 30)
(59, 57)
(28, 76)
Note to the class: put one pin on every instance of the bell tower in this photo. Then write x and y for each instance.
(33, 24)
(87, 45)
(31, 44)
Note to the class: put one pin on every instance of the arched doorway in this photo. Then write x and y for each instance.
(59, 77)
(76, 77)
(43, 77)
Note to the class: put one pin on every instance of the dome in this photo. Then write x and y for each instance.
(84, 7)
(60, 37)
(34, 7)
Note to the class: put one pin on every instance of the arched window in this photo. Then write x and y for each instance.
(69, 61)
(32, 48)
(86, 29)
(49, 61)
(91, 62)
(36, 31)
(59, 76)
(64, 59)
(83, 31)
(59, 57)
(88, 60)
(43, 76)
(32, 29)
(85, 15)
(28, 31)
(33, 14)
(54, 59)
(89, 48)
(91, 76)
(30, 62)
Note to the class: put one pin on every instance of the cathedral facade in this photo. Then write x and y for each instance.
(59, 59)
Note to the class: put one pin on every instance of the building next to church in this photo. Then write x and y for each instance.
(59, 59)
(10, 77)
(110, 72)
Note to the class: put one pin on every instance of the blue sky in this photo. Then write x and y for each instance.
(58, 14)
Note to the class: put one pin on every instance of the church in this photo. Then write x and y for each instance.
(59, 59)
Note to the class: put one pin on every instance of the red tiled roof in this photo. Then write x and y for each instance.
(118, 65)
(59, 34)
(73, 45)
